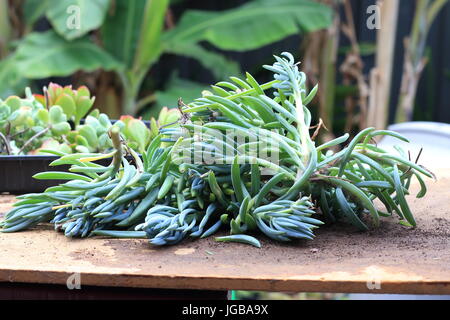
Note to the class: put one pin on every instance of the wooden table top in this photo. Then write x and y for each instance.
(391, 259)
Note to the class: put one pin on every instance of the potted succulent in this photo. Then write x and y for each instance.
(35, 129)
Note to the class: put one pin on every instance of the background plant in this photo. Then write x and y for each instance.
(358, 84)
(415, 59)
(133, 37)
(53, 122)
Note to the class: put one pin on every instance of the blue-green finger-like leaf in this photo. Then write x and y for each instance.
(276, 107)
(59, 175)
(403, 161)
(358, 193)
(128, 171)
(374, 184)
(151, 182)
(333, 143)
(350, 148)
(401, 198)
(348, 211)
(120, 234)
(267, 187)
(213, 229)
(244, 208)
(385, 133)
(141, 209)
(239, 188)
(254, 83)
(375, 165)
(324, 206)
(21, 226)
(166, 186)
(255, 179)
(89, 169)
(423, 187)
(217, 191)
(241, 238)
(130, 195)
(311, 95)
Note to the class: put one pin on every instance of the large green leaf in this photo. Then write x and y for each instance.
(9, 77)
(149, 46)
(250, 26)
(219, 65)
(33, 10)
(42, 55)
(120, 32)
(175, 89)
(74, 18)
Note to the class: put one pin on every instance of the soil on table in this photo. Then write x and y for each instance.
(339, 259)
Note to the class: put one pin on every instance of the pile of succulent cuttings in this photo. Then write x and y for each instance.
(59, 120)
(166, 197)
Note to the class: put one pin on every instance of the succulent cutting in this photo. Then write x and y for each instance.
(242, 158)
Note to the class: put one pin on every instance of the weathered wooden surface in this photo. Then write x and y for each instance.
(399, 259)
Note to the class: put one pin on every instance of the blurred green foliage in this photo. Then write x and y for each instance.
(129, 37)
(261, 295)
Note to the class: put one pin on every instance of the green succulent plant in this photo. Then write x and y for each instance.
(166, 197)
(38, 123)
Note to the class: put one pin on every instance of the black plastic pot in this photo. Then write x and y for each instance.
(16, 173)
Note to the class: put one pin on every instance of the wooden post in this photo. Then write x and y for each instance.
(381, 77)
(5, 28)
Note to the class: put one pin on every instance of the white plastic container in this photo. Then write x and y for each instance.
(433, 137)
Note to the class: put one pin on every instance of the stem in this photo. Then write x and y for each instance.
(131, 85)
(435, 8)
(146, 100)
(6, 142)
(114, 133)
(19, 133)
(37, 135)
(415, 62)
(301, 126)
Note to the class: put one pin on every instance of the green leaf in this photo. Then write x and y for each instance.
(241, 238)
(84, 104)
(135, 130)
(89, 133)
(238, 186)
(149, 45)
(252, 25)
(60, 129)
(357, 193)
(9, 77)
(67, 104)
(42, 55)
(175, 89)
(56, 115)
(120, 32)
(58, 175)
(33, 10)
(219, 65)
(348, 212)
(72, 19)
(401, 198)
